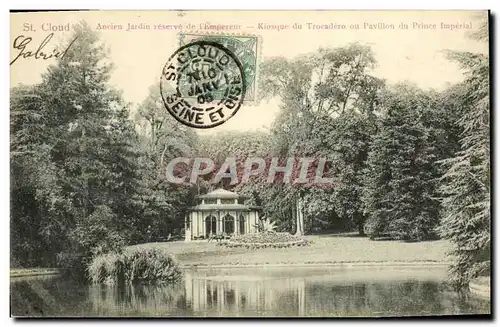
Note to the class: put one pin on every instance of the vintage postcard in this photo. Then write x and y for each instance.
(250, 164)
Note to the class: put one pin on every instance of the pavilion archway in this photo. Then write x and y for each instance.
(210, 225)
(228, 224)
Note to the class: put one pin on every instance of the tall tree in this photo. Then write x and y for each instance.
(315, 91)
(88, 200)
(350, 139)
(400, 194)
(162, 138)
(466, 183)
(38, 205)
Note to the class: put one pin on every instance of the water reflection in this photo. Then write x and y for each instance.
(239, 297)
(137, 300)
(240, 292)
(319, 296)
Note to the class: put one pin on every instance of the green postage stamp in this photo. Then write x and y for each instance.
(246, 48)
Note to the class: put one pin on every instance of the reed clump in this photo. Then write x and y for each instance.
(146, 266)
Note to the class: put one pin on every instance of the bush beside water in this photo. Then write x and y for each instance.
(146, 266)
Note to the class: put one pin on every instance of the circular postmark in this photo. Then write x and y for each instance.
(203, 84)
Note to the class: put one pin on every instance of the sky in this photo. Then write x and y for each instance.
(413, 54)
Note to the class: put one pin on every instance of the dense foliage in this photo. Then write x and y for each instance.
(82, 182)
(400, 194)
(466, 185)
(144, 266)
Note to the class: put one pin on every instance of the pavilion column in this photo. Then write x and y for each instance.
(250, 223)
(194, 224)
(203, 224)
(219, 223)
(236, 220)
(191, 217)
(199, 221)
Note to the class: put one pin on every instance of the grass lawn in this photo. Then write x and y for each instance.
(324, 249)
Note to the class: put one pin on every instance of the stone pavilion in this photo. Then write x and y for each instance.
(220, 212)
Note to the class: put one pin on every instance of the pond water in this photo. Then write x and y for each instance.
(250, 292)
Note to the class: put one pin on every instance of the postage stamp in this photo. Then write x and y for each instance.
(203, 84)
(246, 48)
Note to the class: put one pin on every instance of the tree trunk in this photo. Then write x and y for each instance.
(295, 219)
(299, 218)
(361, 229)
(360, 222)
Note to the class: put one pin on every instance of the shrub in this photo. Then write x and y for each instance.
(151, 265)
(266, 226)
(104, 268)
(145, 266)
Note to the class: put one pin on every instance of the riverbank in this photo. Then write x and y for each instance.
(29, 272)
(325, 250)
(349, 264)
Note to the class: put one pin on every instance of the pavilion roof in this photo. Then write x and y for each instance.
(231, 206)
(221, 194)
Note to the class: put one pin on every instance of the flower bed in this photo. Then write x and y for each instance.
(266, 240)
